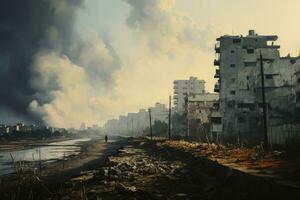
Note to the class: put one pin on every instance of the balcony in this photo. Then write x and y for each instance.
(217, 75)
(273, 46)
(217, 88)
(216, 62)
(217, 49)
(272, 37)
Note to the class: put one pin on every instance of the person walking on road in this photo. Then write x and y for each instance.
(106, 138)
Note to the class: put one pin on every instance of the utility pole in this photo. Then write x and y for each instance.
(149, 110)
(188, 128)
(265, 126)
(132, 127)
(127, 127)
(170, 117)
(186, 100)
(138, 127)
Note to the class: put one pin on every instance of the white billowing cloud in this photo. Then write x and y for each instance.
(70, 100)
(165, 29)
(98, 59)
(68, 93)
(162, 45)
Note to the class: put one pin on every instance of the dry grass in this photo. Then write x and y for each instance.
(253, 160)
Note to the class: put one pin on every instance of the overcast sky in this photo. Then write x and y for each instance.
(227, 17)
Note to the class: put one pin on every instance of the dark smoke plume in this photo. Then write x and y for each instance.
(37, 40)
(23, 31)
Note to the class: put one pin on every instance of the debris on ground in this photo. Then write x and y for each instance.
(170, 170)
(137, 174)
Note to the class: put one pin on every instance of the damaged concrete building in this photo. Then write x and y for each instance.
(239, 85)
(280, 90)
(184, 88)
(199, 110)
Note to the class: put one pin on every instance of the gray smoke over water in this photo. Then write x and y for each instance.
(48, 73)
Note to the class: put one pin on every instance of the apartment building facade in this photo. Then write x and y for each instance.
(239, 83)
(184, 88)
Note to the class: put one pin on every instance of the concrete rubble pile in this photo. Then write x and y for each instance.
(134, 163)
(133, 172)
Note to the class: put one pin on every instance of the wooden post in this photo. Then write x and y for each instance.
(188, 128)
(132, 132)
(127, 127)
(186, 100)
(169, 117)
(150, 123)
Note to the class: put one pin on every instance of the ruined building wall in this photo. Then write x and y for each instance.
(239, 84)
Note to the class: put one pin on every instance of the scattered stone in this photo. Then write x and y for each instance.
(184, 171)
(277, 153)
(181, 195)
(124, 188)
(83, 178)
(105, 172)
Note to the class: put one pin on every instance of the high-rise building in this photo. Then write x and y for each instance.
(184, 88)
(240, 87)
(82, 126)
(135, 124)
(159, 112)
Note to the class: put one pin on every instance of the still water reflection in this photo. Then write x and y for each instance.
(45, 153)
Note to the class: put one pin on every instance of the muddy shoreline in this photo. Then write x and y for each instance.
(91, 154)
(50, 180)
